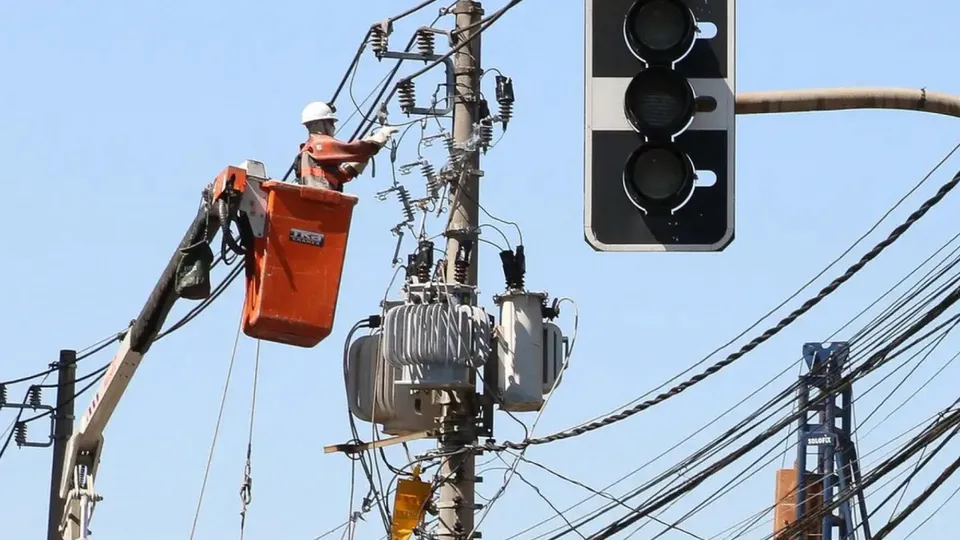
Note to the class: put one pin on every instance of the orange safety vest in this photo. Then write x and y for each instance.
(321, 158)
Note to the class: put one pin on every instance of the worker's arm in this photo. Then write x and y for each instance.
(334, 152)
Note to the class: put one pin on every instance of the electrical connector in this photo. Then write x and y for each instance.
(514, 267)
(552, 311)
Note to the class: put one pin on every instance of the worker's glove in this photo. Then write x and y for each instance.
(381, 136)
(389, 130)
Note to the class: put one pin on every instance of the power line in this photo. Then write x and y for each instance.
(884, 351)
(860, 396)
(796, 293)
(874, 326)
(86, 352)
(484, 25)
(809, 304)
(931, 277)
(870, 364)
(12, 430)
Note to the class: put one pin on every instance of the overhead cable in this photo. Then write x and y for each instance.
(687, 463)
(861, 335)
(883, 334)
(872, 363)
(84, 353)
(807, 306)
(369, 118)
(484, 24)
(351, 69)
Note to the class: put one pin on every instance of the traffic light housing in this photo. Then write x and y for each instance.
(660, 125)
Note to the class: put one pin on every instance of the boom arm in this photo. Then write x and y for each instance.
(82, 457)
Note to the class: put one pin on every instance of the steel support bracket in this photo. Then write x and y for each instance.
(451, 80)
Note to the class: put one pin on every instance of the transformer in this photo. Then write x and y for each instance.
(436, 345)
(386, 401)
(530, 352)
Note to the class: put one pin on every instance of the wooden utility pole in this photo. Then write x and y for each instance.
(459, 407)
(62, 429)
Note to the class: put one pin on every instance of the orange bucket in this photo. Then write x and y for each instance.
(294, 270)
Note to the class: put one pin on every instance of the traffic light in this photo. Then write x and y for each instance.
(660, 126)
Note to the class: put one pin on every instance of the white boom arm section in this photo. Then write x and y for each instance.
(218, 207)
(85, 445)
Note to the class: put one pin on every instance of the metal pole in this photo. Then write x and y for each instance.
(841, 99)
(62, 430)
(459, 408)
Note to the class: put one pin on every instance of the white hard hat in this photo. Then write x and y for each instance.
(317, 110)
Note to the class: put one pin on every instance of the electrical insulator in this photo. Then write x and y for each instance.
(486, 134)
(505, 98)
(404, 197)
(3, 395)
(378, 40)
(424, 260)
(450, 143)
(514, 267)
(425, 41)
(485, 127)
(36, 396)
(430, 175)
(20, 433)
(461, 263)
(406, 95)
(411, 267)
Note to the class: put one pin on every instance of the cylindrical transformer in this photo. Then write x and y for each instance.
(375, 395)
(555, 348)
(520, 351)
(362, 360)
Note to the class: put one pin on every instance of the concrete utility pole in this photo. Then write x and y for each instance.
(459, 408)
(62, 429)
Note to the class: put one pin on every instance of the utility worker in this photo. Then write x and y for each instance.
(326, 162)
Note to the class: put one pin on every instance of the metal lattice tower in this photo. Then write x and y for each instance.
(828, 426)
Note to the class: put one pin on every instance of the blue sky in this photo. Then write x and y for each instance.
(113, 115)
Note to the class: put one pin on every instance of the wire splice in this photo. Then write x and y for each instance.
(374, 321)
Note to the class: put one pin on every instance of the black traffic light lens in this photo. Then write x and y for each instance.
(660, 31)
(659, 102)
(658, 177)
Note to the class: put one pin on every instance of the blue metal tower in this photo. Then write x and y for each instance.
(837, 465)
